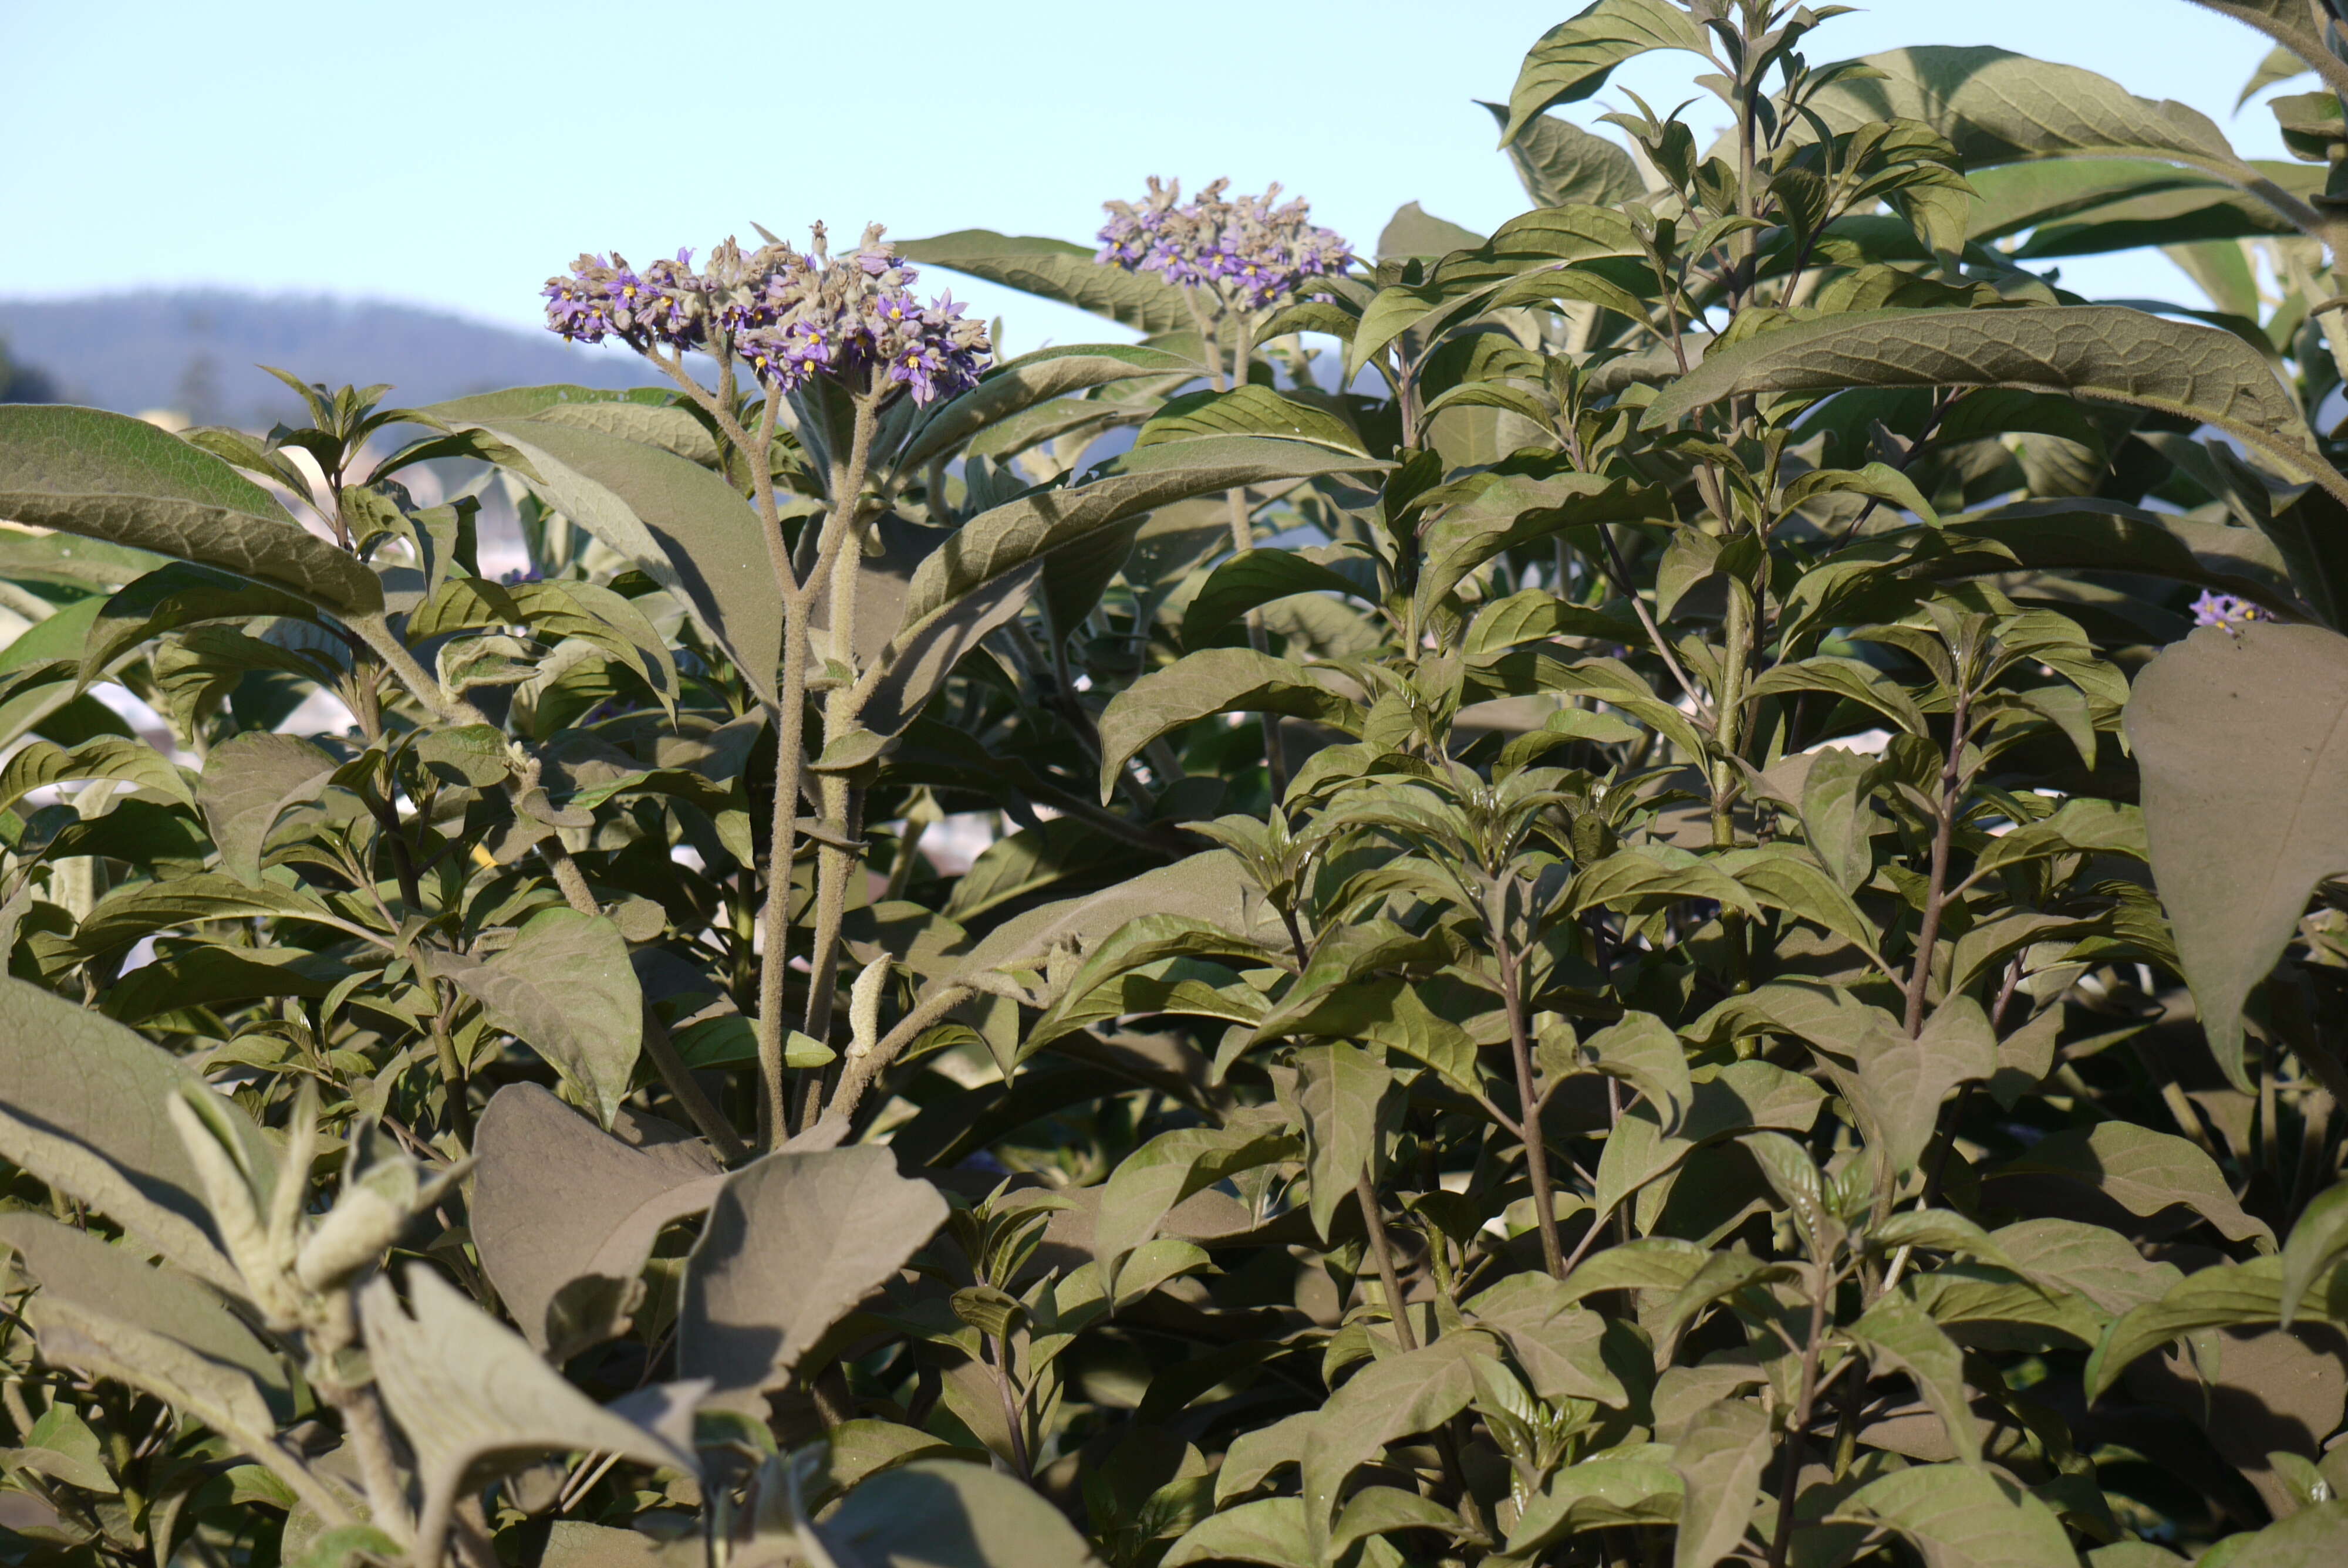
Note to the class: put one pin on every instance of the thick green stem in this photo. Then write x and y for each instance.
(834, 869)
(1735, 658)
(833, 574)
(1520, 1048)
(1936, 893)
(1789, 1459)
(790, 720)
(1374, 1224)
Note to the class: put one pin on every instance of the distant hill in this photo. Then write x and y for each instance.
(195, 351)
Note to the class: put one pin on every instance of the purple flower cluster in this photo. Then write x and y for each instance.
(1255, 253)
(786, 315)
(2224, 610)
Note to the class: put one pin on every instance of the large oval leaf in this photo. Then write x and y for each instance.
(1056, 270)
(1998, 106)
(793, 1243)
(2105, 353)
(1217, 680)
(112, 477)
(2243, 737)
(564, 988)
(82, 1107)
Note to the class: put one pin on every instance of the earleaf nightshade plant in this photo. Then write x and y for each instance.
(1667, 886)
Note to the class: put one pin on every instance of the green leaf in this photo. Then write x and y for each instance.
(1997, 107)
(1902, 1083)
(1634, 1486)
(82, 1104)
(205, 973)
(1561, 164)
(97, 1288)
(1574, 58)
(2144, 1172)
(1056, 270)
(1254, 577)
(123, 480)
(1377, 1511)
(1034, 860)
(1643, 1052)
(472, 1397)
(792, 1243)
(143, 908)
(1338, 1091)
(1385, 1010)
(1210, 887)
(681, 523)
(564, 988)
(2103, 352)
(915, 664)
(2311, 535)
(1412, 230)
(41, 764)
(1148, 1182)
(1032, 379)
(175, 596)
(1652, 871)
(1719, 1458)
(249, 781)
(1847, 678)
(564, 1215)
(1012, 538)
(2244, 758)
(2016, 198)
(2314, 1537)
(2318, 1240)
(1271, 1531)
(1837, 816)
(941, 1513)
(1897, 1335)
(1560, 1346)
(70, 560)
(1414, 1392)
(2223, 1295)
(1213, 681)
(1490, 513)
(1248, 410)
(61, 1445)
(1962, 1516)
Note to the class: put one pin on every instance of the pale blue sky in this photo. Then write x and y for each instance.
(453, 153)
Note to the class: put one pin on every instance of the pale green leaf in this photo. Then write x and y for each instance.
(793, 1243)
(2241, 739)
(564, 988)
(125, 481)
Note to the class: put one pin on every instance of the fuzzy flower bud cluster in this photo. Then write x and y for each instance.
(1260, 254)
(2224, 610)
(789, 315)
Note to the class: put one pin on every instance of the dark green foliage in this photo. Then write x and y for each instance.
(1698, 965)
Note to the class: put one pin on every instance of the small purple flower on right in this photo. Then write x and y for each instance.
(2224, 610)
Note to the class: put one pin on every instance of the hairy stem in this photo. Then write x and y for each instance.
(1520, 1048)
(858, 1072)
(1789, 1457)
(1374, 1224)
(791, 754)
(1619, 570)
(1936, 894)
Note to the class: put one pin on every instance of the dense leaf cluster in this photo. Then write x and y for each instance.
(1622, 920)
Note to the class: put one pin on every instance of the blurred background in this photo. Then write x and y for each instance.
(364, 191)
